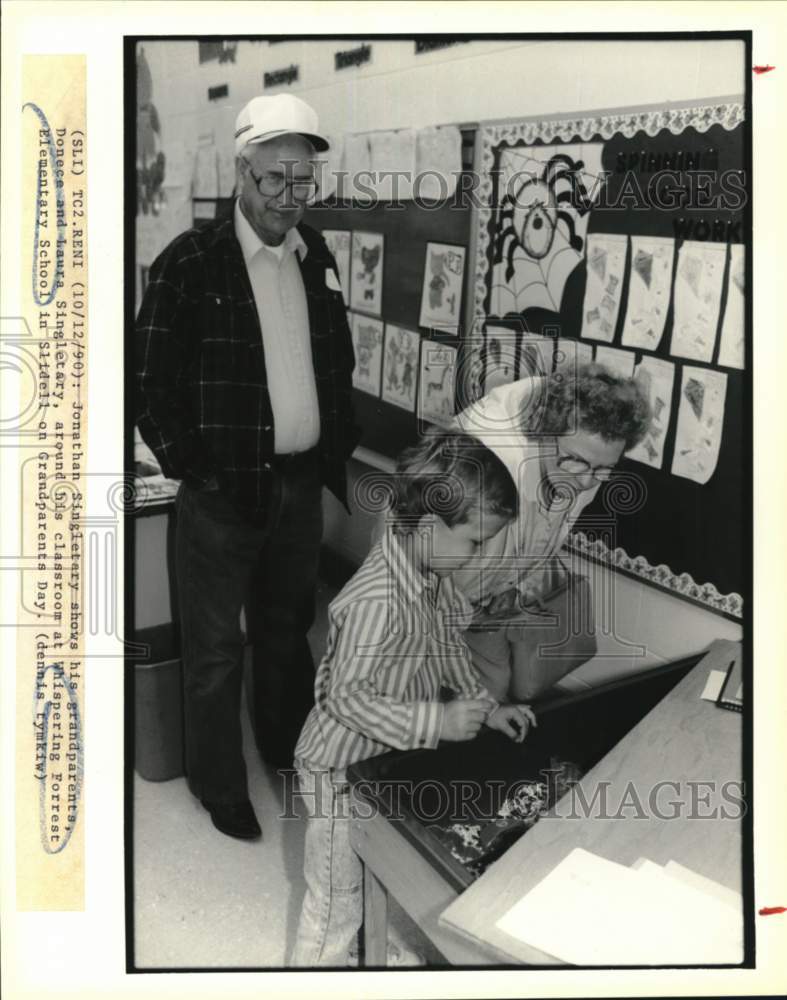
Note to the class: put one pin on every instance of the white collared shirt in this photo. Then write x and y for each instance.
(284, 320)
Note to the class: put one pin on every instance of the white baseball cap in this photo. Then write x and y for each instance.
(265, 118)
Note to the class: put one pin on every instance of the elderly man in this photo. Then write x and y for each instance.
(244, 365)
(561, 436)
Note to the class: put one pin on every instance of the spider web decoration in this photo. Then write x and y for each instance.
(545, 194)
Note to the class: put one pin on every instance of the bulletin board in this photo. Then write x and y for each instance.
(406, 228)
(630, 244)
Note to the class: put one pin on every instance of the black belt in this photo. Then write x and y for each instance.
(294, 458)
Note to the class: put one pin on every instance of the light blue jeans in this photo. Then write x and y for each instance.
(332, 909)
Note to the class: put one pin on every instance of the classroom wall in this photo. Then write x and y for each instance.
(465, 83)
(462, 84)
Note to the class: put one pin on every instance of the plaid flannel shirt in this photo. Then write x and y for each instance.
(203, 404)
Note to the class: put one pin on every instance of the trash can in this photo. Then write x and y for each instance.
(158, 715)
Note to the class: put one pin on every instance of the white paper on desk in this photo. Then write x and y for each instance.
(720, 892)
(707, 925)
(590, 911)
(713, 685)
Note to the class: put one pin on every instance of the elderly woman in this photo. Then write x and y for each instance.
(561, 436)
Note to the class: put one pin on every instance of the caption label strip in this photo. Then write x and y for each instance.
(51, 342)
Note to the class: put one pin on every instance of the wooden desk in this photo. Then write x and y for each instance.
(683, 739)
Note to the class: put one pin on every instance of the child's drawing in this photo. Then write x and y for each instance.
(366, 286)
(606, 260)
(732, 347)
(368, 345)
(338, 241)
(400, 362)
(700, 421)
(656, 376)
(650, 280)
(698, 282)
(437, 388)
(441, 296)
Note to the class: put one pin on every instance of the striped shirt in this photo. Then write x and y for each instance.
(394, 640)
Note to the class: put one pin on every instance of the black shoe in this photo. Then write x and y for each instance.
(236, 819)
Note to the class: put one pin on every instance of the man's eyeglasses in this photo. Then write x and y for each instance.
(579, 467)
(269, 184)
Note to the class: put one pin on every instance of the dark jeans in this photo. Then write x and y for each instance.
(223, 563)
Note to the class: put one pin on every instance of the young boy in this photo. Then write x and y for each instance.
(394, 641)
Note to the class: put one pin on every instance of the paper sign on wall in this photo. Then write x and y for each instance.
(338, 241)
(620, 362)
(698, 282)
(328, 166)
(700, 421)
(225, 160)
(731, 348)
(438, 162)
(650, 279)
(656, 376)
(571, 355)
(436, 388)
(368, 346)
(392, 156)
(536, 357)
(357, 166)
(366, 283)
(206, 172)
(400, 366)
(606, 260)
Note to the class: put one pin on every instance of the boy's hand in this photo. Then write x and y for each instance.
(513, 720)
(463, 718)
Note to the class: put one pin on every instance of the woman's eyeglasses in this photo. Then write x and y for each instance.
(579, 467)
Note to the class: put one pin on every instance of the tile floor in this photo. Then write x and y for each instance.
(203, 900)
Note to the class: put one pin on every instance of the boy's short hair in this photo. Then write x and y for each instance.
(594, 399)
(449, 474)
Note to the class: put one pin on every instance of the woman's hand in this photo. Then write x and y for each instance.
(504, 604)
(513, 720)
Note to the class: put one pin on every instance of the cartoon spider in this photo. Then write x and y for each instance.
(531, 210)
